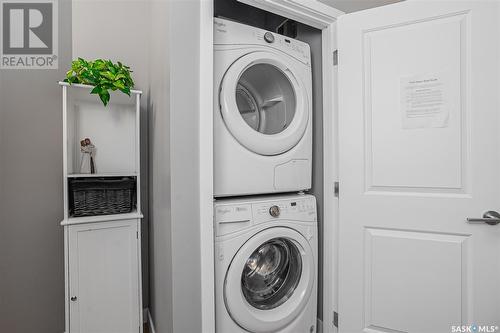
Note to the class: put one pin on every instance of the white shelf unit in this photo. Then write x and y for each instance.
(102, 253)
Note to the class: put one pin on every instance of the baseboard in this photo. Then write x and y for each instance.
(150, 322)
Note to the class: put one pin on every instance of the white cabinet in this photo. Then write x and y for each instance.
(102, 253)
(104, 276)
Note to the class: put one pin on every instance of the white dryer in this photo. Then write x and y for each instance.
(262, 111)
(266, 264)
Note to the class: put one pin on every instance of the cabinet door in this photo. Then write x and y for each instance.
(104, 277)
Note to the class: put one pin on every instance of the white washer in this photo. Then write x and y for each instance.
(266, 264)
(262, 111)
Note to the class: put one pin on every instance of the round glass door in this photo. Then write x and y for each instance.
(271, 274)
(264, 103)
(270, 280)
(265, 99)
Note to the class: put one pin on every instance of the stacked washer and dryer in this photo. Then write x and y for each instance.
(266, 239)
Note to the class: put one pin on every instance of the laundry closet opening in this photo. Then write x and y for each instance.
(266, 97)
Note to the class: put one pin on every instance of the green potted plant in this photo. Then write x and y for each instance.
(103, 75)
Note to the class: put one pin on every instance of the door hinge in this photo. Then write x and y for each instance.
(335, 58)
(137, 234)
(336, 189)
(335, 319)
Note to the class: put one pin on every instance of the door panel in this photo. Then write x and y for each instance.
(433, 156)
(403, 271)
(419, 152)
(104, 274)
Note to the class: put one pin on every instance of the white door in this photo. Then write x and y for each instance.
(419, 128)
(104, 277)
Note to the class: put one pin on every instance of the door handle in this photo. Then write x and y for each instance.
(490, 217)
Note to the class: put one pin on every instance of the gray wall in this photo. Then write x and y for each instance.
(160, 170)
(243, 13)
(120, 31)
(349, 6)
(31, 240)
(312, 36)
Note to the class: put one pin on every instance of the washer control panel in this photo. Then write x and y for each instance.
(302, 208)
(234, 215)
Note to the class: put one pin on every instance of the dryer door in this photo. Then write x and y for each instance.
(263, 103)
(269, 280)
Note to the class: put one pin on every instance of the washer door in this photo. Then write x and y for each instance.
(263, 103)
(269, 280)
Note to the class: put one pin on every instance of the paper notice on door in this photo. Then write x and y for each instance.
(424, 100)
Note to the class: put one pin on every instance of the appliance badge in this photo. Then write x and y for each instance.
(220, 26)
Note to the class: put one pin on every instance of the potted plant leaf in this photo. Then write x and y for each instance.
(103, 75)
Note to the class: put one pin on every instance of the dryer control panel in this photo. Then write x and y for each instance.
(232, 215)
(232, 33)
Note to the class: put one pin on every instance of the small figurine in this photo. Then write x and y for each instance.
(87, 163)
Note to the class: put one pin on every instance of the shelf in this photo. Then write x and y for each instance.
(96, 175)
(86, 86)
(114, 130)
(102, 218)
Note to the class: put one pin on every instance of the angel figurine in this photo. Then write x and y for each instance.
(88, 150)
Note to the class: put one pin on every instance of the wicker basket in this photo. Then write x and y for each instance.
(101, 196)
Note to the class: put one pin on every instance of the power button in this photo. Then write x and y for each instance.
(269, 37)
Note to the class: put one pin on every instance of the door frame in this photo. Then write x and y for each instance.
(323, 17)
(312, 13)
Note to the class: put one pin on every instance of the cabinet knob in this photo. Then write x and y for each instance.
(73, 298)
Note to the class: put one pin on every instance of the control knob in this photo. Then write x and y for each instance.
(274, 211)
(269, 37)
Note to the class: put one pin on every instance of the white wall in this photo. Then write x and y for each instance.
(120, 30)
(191, 154)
